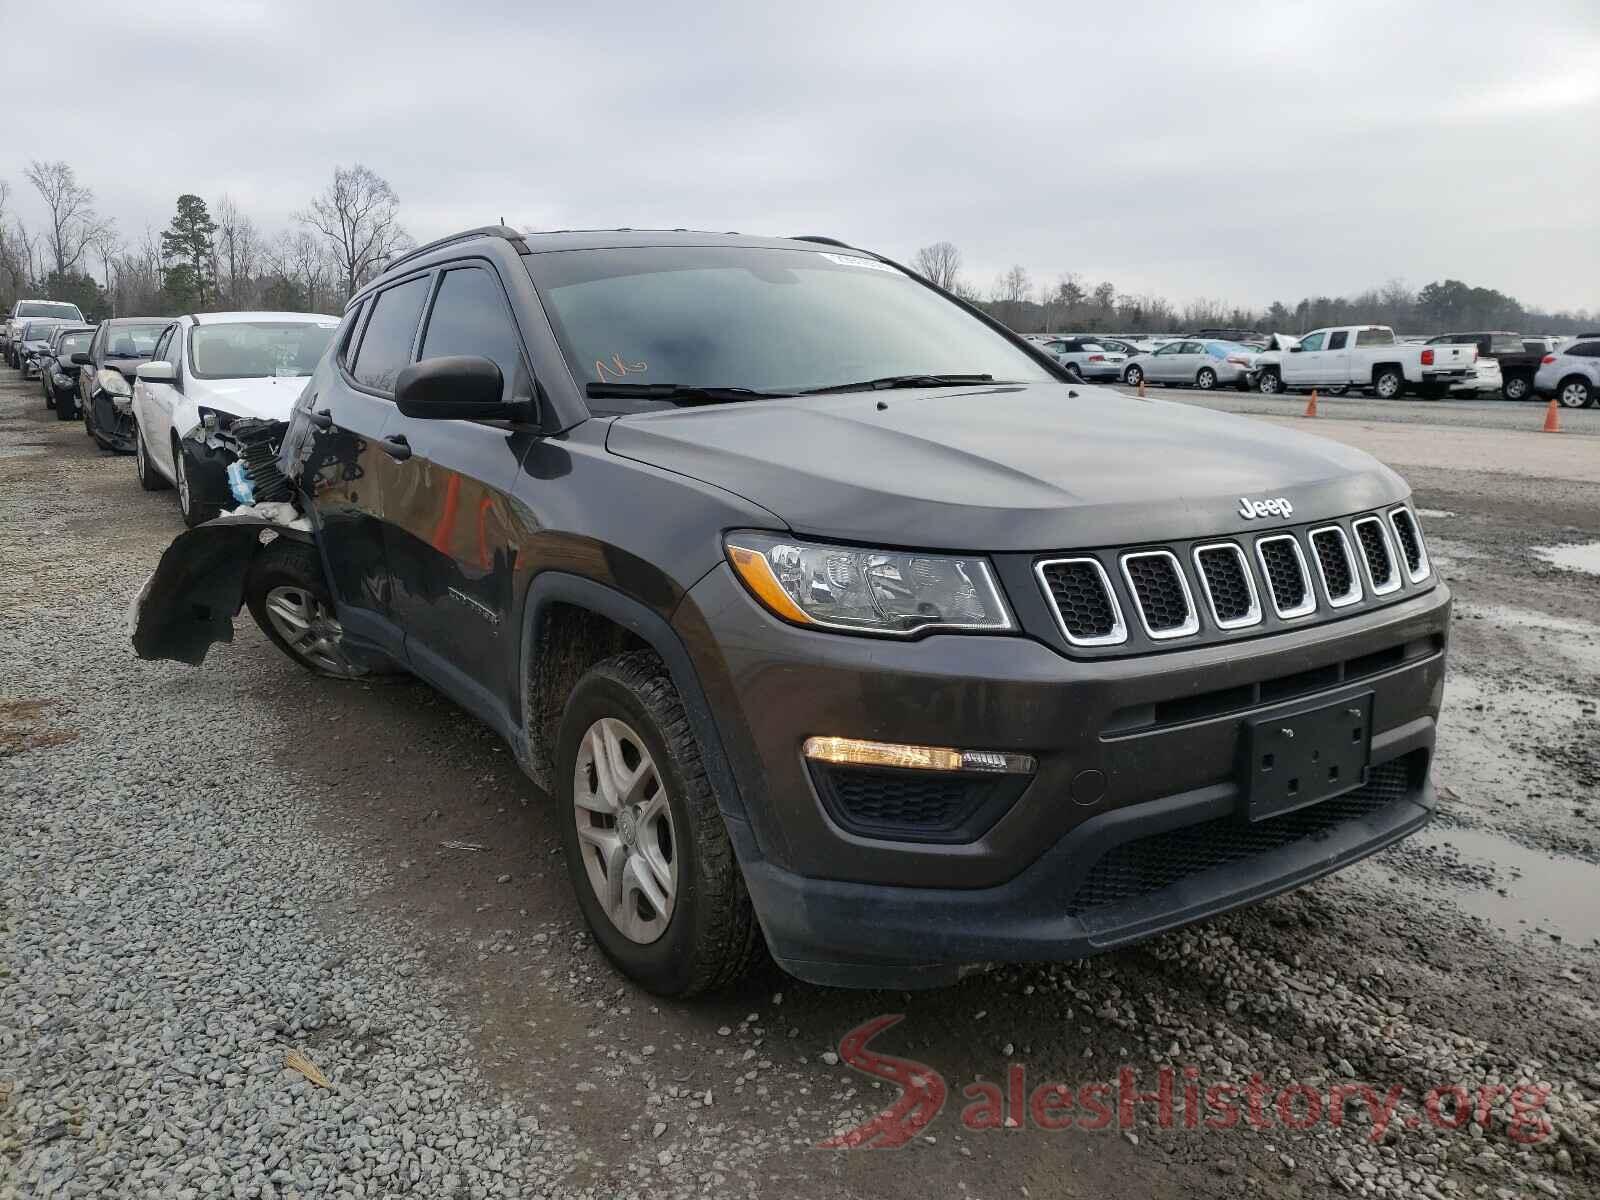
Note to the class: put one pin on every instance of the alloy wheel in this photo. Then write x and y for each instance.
(1133, 376)
(625, 830)
(308, 627)
(181, 470)
(1206, 380)
(1387, 387)
(1516, 389)
(1575, 394)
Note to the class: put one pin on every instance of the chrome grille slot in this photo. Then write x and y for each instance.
(1378, 555)
(1080, 594)
(1284, 568)
(1335, 566)
(1160, 593)
(1409, 536)
(1224, 575)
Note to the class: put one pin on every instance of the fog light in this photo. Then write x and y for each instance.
(855, 753)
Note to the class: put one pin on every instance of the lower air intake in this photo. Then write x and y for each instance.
(1148, 864)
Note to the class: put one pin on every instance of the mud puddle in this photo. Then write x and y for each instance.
(1513, 887)
(1583, 557)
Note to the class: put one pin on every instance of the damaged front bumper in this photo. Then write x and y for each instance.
(189, 602)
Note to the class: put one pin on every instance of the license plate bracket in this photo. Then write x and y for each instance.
(1304, 757)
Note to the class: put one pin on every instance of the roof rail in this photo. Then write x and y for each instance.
(826, 241)
(499, 231)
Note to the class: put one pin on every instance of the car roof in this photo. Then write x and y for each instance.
(555, 240)
(234, 318)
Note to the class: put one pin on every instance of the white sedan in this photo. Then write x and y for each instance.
(206, 372)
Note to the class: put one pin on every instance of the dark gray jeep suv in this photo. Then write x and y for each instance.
(832, 615)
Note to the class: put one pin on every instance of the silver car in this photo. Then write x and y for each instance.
(33, 340)
(1204, 365)
(1571, 374)
(1086, 358)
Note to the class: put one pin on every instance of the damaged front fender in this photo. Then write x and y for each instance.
(189, 603)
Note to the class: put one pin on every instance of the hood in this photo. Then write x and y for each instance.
(1005, 468)
(268, 399)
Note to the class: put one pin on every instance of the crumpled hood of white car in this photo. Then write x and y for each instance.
(269, 399)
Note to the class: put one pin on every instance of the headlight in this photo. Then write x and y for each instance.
(112, 383)
(870, 591)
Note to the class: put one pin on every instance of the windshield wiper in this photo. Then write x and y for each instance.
(901, 381)
(677, 393)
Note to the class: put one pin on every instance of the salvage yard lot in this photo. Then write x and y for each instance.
(206, 868)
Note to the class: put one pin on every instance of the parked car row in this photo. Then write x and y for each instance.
(163, 388)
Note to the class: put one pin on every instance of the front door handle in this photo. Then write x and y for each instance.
(322, 419)
(396, 447)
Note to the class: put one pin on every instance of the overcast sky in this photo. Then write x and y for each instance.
(1247, 152)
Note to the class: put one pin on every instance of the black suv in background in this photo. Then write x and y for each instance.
(105, 378)
(878, 642)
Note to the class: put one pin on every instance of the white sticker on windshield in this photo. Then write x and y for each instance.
(853, 260)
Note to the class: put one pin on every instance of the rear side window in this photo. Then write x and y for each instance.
(1337, 339)
(386, 346)
(469, 317)
(1505, 343)
(1585, 350)
(1374, 337)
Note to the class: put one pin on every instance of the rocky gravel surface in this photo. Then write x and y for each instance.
(266, 935)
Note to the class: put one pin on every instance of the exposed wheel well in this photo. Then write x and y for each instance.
(568, 641)
(1380, 368)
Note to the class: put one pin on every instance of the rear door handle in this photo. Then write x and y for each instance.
(396, 447)
(322, 419)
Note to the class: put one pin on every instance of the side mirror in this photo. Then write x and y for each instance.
(80, 359)
(457, 387)
(157, 372)
(1296, 349)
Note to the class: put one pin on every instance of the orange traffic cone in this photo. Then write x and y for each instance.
(1552, 418)
(1311, 404)
(1141, 388)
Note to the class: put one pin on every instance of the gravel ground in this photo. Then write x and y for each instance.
(211, 868)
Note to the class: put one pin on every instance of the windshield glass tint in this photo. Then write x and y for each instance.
(766, 319)
(40, 308)
(133, 341)
(256, 349)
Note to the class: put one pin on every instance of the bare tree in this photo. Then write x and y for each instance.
(73, 223)
(238, 246)
(358, 215)
(939, 264)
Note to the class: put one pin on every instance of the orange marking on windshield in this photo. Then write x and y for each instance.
(619, 367)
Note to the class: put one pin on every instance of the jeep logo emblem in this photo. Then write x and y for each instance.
(1278, 506)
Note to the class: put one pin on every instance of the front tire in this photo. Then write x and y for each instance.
(646, 848)
(1389, 384)
(1575, 392)
(150, 479)
(195, 510)
(1074, 373)
(1338, 391)
(1270, 383)
(1205, 379)
(289, 598)
(1516, 387)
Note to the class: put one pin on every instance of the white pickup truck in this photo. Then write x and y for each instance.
(1369, 357)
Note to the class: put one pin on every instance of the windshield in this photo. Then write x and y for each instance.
(769, 320)
(133, 341)
(36, 333)
(42, 308)
(258, 349)
(74, 343)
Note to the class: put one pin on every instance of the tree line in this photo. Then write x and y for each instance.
(215, 257)
(1072, 305)
(211, 257)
